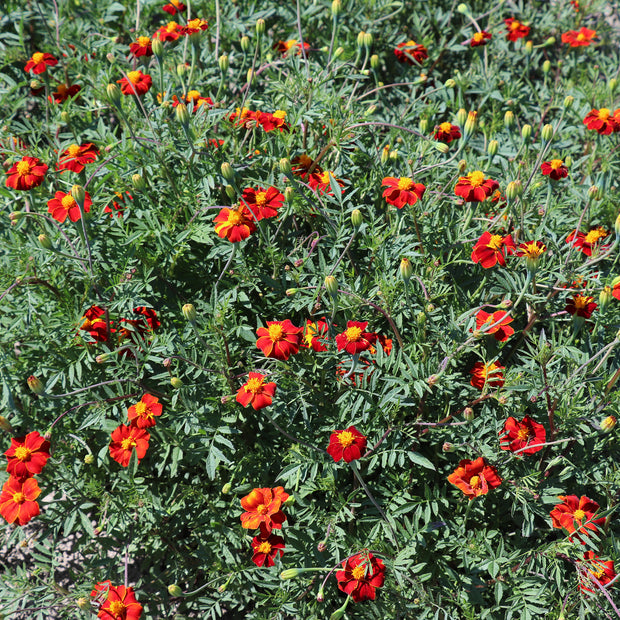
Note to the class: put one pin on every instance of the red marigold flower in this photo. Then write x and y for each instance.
(134, 329)
(348, 445)
(446, 132)
(27, 173)
(515, 436)
(516, 30)
(490, 375)
(500, 319)
(474, 187)
(266, 547)
(594, 568)
(269, 121)
(411, 52)
(96, 324)
(576, 515)
(256, 392)
(194, 26)
(262, 508)
(280, 339)
(64, 92)
(475, 478)
(355, 338)
(124, 440)
(316, 333)
(479, 38)
(402, 191)
(170, 32)
(121, 604)
(581, 38)
(143, 413)
(100, 591)
(235, 224)
(142, 47)
(321, 182)
(193, 99)
(286, 46)
(39, 62)
(587, 242)
(602, 121)
(17, 501)
(245, 117)
(118, 205)
(64, 204)
(262, 203)
(581, 305)
(301, 165)
(136, 83)
(554, 169)
(360, 576)
(150, 315)
(76, 156)
(491, 250)
(532, 250)
(174, 6)
(27, 455)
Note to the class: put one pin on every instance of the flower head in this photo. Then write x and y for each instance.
(76, 156)
(592, 567)
(234, 224)
(411, 52)
(18, 500)
(474, 187)
(475, 478)
(490, 375)
(64, 92)
(348, 445)
(402, 191)
(262, 508)
(517, 435)
(173, 6)
(360, 576)
(479, 38)
(355, 338)
(266, 547)
(262, 203)
(124, 440)
(170, 32)
(136, 83)
(118, 204)
(316, 332)
(39, 62)
(63, 205)
(446, 132)
(142, 47)
(256, 392)
(96, 324)
(491, 250)
(194, 26)
(516, 30)
(554, 169)
(121, 604)
(269, 121)
(576, 515)
(602, 121)
(280, 339)
(284, 47)
(27, 173)
(532, 250)
(27, 455)
(499, 319)
(586, 242)
(581, 305)
(321, 182)
(579, 38)
(143, 413)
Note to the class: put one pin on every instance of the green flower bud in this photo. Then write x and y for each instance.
(406, 269)
(367, 39)
(509, 119)
(227, 171)
(526, 132)
(251, 76)
(260, 27)
(360, 39)
(83, 603)
(339, 51)
(550, 41)
(492, 148)
(546, 67)
(226, 488)
(176, 383)
(35, 84)
(514, 189)
(463, 8)
(611, 85)
(529, 46)
(450, 83)
(289, 192)
(65, 117)
(605, 296)
(608, 424)
(423, 125)
(113, 93)
(189, 312)
(470, 124)
(182, 114)
(331, 286)
(356, 218)
(285, 166)
(568, 161)
(45, 242)
(181, 69)
(223, 62)
(594, 193)
(89, 459)
(290, 573)
(394, 155)
(461, 117)
(245, 44)
(547, 132)
(462, 165)
(158, 47)
(36, 385)
(568, 102)
(468, 414)
(374, 62)
(230, 192)
(174, 590)
(617, 226)
(442, 147)
(78, 194)
(336, 7)
(138, 182)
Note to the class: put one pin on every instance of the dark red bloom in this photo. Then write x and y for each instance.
(269, 121)
(63, 205)
(594, 568)
(77, 156)
(96, 325)
(554, 169)
(576, 515)
(290, 44)
(491, 250)
(587, 242)
(18, 500)
(280, 339)
(501, 331)
(194, 26)
(256, 392)
(121, 604)
(64, 92)
(602, 121)
(234, 224)
(262, 509)
(480, 38)
(411, 52)
(135, 329)
(349, 445)
(515, 435)
(475, 478)
(266, 547)
(355, 338)
(490, 375)
(118, 205)
(446, 132)
(516, 30)
(360, 576)
(27, 455)
(39, 62)
(316, 334)
(581, 305)
(262, 203)
(402, 191)
(124, 440)
(143, 413)
(474, 187)
(142, 47)
(579, 38)
(27, 173)
(136, 83)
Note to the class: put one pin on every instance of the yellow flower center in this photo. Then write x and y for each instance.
(261, 199)
(410, 43)
(604, 114)
(474, 482)
(279, 114)
(515, 24)
(37, 57)
(523, 434)
(446, 127)
(22, 453)
(597, 573)
(23, 168)
(171, 26)
(68, 202)
(345, 439)
(254, 385)
(324, 177)
(144, 41)
(290, 43)
(234, 218)
(594, 235)
(556, 163)
(495, 242)
(261, 509)
(581, 37)
(194, 23)
(353, 334)
(141, 408)
(192, 96)
(264, 547)
(405, 183)
(478, 36)
(311, 330)
(476, 178)
(532, 250)
(579, 514)
(128, 443)
(19, 497)
(117, 608)
(276, 333)
(73, 150)
(134, 76)
(358, 572)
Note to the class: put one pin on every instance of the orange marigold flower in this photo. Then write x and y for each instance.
(479, 38)
(142, 47)
(124, 440)
(491, 250)
(475, 478)
(602, 121)
(96, 324)
(63, 205)
(515, 435)
(235, 224)
(118, 204)
(411, 52)
(586, 242)
(474, 187)
(355, 338)
(490, 375)
(581, 305)
(27, 455)
(554, 169)
(121, 604)
(348, 444)
(17, 501)
(143, 413)
(280, 339)
(360, 576)
(256, 392)
(262, 203)
(594, 568)
(576, 515)
(173, 6)
(315, 334)
(193, 99)
(322, 182)
(64, 92)
(136, 83)
(402, 191)
(170, 32)
(500, 319)
(76, 156)
(581, 38)
(27, 173)
(194, 26)
(516, 30)
(284, 47)
(39, 62)
(266, 547)
(262, 509)
(446, 132)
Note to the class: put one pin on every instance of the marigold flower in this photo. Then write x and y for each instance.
(27, 455)
(63, 205)
(516, 30)
(76, 156)
(193, 99)
(402, 191)
(96, 325)
(479, 38)
(124, 440)
(587, 242)
(316, 332)
(143, 413)
(554, 169)
(280, 339)
(142, 47)
(360, 576)
(475, 478)
(284, 47)
(262, 203)
(446, 132)
(256, 392)
(100, 591)
(118, 204)
(39, 62)
(411, 52)
(516, 435)
(64, 92)
(348, 444)
(170, 32)
(490, 375)
(262, 508)
(25, 174)
(321, 182)
(474, 187)
(500, 319)
(592, 567)
(301, 164)
(269, 121)
(491, 250)
(173, 6)
(17, 501)
(194, 26)
(121, 604)
(602, 121)
(355, 338)
(136, 83)
(581, 305)
(576, 515)
(266, 547)
(581, 38)
(234, 224)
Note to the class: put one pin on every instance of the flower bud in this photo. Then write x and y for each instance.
(526, 131)
(546, 66)
(462, 165)
(113, 93)
(167, 363)
(549, 41)
(356, 218)
(529, 46)
(338, 614)
(568, 161)
(174, 590)
(285, 166)
(370, 110)
(617, 226)
(230, 192)
(432, 380)
(65, 117)
(594, 193)
(320, 597)
(406, 269)
(321, 546)
(45, 242)
(450, 83)
(176, 383)
(339, 51)
(290, 573)
(463, 8)
(35, 84)
(227, 172)
(182, 114)
(568, 102)
(360, 39)
(461, 117)
(110, 57)
(245, 43)
(385, 153)
(189, 312)
(608, 424)
(226, 488)
(468, 414)
(604, 297)
(394, 155)
(492, 148)
(260, 27)
(138, 182)
(448, 447)
(442, 147)
(367, 39)
(336, 7)
(509, 119)
(224, 63)
(102, 358)
(158, 47)
(292, 291)
(4, 425)
(513, 190)
(251, 76)
(78, 194)
(289, 192)
(331, 286)
(83, 603)
(423, 125)
(611, 85)
(36, 385)
(374, 62)
(181, 69)
(547, 132)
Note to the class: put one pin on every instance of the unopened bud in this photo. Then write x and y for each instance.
(492, 148)
(370, 110)
(611, 85)
(594, 193)
(432, 380)
(568, 161)
(461, 117)
(111, 58)
(224, 63)
(336, 7)
(550, 41)
(174, 590)
(339, 51)
(226, 488)
(509, 119)
(338, 614)
(35, 84)
(356, 218)
(322, 546)
(65, 117)
(450, 83)
(423, 125)
(227, 172)
(45, 242)
(529, 46)
(468, 414)
(83, 603)
(367, 39)
(289, 192)
(617, 226)
(568, 102)
(385, 154)
(514, 189)
(36, 385)
(102, 358)
(448, 447)
(291, 291)
(78, 194)
(158, 47)
(406, 269)
(546, 66)
(176, 383)
(608, 424)
(526, 131)
(463, 8)
(360, 39)
(442, 147)
(181, 69)
(230, 192)
(182, 114)
(245, 43)
(605, 296)
(374, 62)
(251, 76)
(260, 27)
(189, 312)
(394, 155)
(113, 93)
(462, 165)
(320, 597)
(138, 182)
(290, 573)
(331, 286)
(547, 132)
(285, 166)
